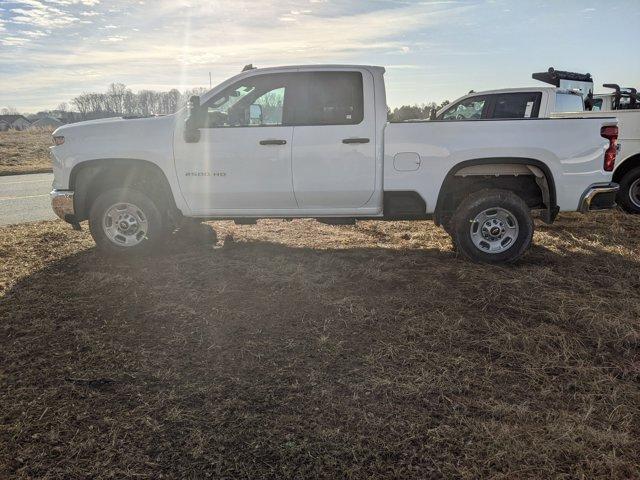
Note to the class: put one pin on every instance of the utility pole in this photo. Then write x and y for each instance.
(209, 79)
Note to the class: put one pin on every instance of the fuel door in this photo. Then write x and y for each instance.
(406, 161)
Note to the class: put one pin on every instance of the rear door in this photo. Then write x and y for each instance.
(334, 147)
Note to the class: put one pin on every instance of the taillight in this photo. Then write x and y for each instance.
(58, 140)
(611, 134)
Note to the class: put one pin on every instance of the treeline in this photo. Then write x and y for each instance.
(414, 112)
(119, 100)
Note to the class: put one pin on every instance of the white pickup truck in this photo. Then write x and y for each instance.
(314, 141)
(559, 102)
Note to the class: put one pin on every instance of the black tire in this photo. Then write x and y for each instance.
(156, 225)
(484, 201)
(629, 194)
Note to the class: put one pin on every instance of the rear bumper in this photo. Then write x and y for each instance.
(62, 205)
(599, 196)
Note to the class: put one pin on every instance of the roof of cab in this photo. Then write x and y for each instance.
(518, 90)
(322, 66)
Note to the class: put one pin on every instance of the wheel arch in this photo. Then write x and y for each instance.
(626, 166)
(89, 178)
(547, 188)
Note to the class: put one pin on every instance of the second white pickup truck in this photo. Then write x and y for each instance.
(314, 141)
(563, 101)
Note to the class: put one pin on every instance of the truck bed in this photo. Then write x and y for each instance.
(570, 148)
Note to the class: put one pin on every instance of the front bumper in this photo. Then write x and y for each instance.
(599, 196)
(62, 205)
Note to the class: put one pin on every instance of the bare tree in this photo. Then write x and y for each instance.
(114, 98)
(119, 100)
(130, 103)
(97, 103)
(415, 112)
(145, 102)
(81, 102)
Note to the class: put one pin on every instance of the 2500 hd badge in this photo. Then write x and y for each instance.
(205, 174)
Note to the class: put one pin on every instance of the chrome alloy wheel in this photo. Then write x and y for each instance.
(634, 193)
(125, 224)
(494, 230)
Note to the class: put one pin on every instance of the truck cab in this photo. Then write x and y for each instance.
(287, 141)
(527, 102)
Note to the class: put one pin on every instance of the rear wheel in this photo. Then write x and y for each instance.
(126, 222)
(629, 195)
(493, 226)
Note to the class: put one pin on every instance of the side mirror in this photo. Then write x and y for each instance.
(193, 121)
(255, 114)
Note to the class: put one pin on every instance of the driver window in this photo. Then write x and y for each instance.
(252, 102)
(469, 109)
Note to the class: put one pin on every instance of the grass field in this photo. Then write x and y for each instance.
(25, 152)
(300, 350)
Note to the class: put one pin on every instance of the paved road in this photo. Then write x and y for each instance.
(25, 198)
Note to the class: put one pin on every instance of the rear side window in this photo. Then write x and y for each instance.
(328, 98)
(569, 102)
(517, 105)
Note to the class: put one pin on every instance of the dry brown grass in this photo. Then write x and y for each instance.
(299, 350)
(25, 152)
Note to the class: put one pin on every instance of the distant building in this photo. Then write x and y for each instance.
(13, 122)
(46, 123)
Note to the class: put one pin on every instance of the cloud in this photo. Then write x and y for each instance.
(38, 14)
(175, 42)
(13, 41)
(86, 3)
(114, 38)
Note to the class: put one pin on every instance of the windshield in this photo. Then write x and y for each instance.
(468, 109)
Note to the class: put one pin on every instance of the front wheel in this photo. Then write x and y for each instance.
(126, 222)
(493, 226)
(629, 194)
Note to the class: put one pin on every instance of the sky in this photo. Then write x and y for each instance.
(52, 50)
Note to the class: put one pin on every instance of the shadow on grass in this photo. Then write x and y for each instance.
(258, 360)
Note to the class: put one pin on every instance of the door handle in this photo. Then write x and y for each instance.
(273, 142)
(355, 140)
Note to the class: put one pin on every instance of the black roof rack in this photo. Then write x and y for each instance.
(628, 92)
(622, 90)
(553, 76)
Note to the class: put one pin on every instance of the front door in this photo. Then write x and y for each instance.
(334, 144)
(242, 161)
